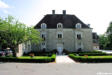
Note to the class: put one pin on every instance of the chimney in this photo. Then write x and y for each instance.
(53, 11)
(64, 12)
(88, 25)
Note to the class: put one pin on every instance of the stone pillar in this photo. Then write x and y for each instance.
(20, 51)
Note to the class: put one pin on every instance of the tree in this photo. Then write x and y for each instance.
(109, 34)
(103, 41)
(13, 33)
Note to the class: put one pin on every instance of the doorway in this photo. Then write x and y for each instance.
(60, 48)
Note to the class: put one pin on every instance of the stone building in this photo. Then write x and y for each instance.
(95, 41)
(64, 31)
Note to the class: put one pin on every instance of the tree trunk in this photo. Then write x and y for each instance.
(15, 49)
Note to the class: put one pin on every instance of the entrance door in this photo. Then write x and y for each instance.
(59, 48)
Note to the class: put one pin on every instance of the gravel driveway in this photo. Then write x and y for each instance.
(55, 69)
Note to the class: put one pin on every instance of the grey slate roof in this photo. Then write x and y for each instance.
(68, 21)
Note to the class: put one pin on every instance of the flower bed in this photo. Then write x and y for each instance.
(39, 59)
(87, 58)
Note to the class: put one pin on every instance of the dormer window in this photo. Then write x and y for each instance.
(78, 25)
(59, 25)
(43, 26)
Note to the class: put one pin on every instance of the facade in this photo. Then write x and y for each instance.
(95, 41)
(64, 32)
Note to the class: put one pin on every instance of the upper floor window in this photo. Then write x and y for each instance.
(59, 36)
(43, 37)
(78, 25)
(43, 44)
(59, 25)
(79, 36)
(43, 26)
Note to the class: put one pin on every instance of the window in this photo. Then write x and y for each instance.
(60, 36)
(43, 44)
(43, 37)
(43, 26)
(59, 25)
(79, 36)
(78, 25)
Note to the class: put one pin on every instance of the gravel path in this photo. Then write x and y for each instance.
(64, 59)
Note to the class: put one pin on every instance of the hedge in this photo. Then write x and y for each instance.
(92, 54)
(28, 59)
(91, 58)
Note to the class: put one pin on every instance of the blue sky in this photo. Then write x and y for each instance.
(97, 13)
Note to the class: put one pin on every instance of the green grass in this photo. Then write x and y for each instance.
(35, 57)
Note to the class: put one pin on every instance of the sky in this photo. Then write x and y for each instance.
(97, 13)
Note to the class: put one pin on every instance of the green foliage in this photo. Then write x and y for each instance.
(103, 41)
(109, 35)
(91, 58)
(39, 59)
(13, 33)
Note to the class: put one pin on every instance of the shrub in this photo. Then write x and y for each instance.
(39, 59)
(91, 58)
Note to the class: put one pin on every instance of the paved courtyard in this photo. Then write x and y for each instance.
(63, 59)
(55, 69)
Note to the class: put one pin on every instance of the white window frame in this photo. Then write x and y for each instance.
(78, 25)
(59, 25)
(60, 33)
(43, 25)
(43, 46)
(43, 33)
(77, 33)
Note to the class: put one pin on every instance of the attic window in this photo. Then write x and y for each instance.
(43, 25)
(59, 25)
(78, 25)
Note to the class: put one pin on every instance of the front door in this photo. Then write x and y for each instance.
(59, 48)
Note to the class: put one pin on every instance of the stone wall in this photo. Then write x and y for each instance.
(69, 39)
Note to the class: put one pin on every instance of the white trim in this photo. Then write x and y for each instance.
(43, 45)
(60, 48)
(43, 26)
(59, 25)
(59, 33)
(78, 25)
(76, 33)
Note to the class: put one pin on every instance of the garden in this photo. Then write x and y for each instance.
(91, 57)
(29, 59)
(12, 34)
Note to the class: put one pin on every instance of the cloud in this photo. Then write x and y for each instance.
(3, 5)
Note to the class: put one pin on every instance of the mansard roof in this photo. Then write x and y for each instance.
(68, 21)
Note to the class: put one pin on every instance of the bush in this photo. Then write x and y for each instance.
(91, 58)
(39, 59)
(40, 53)
(92, 54)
